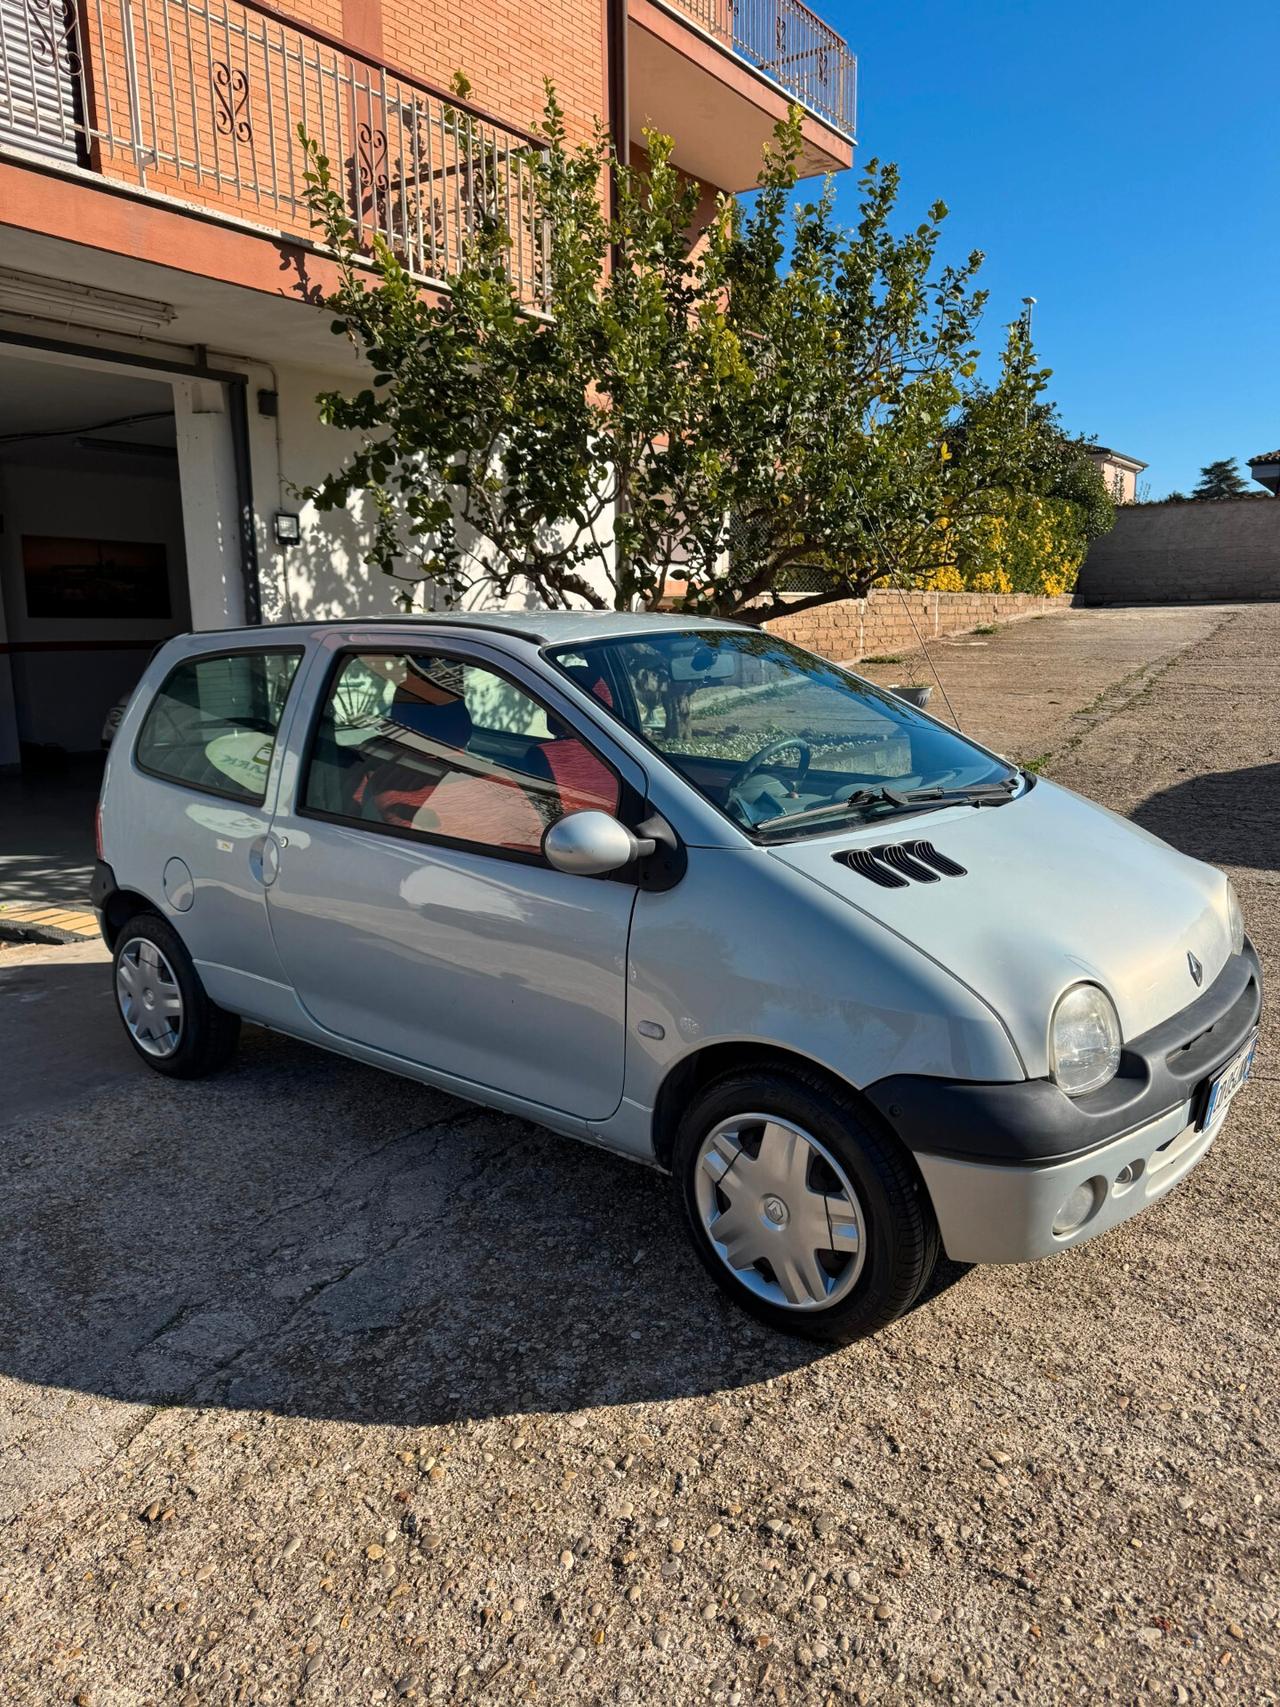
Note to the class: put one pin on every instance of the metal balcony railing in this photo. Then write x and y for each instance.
(199, 101)
(790, 44)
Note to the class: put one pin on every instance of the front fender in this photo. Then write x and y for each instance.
(745, 950)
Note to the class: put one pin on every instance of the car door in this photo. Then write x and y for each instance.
(412, 908)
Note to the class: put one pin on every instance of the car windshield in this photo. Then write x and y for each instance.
(785, 743)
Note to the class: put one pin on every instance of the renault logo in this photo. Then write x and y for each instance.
(1197, 971)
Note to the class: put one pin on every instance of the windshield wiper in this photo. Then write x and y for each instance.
(857, 801)
(971, 794)
(892, 800)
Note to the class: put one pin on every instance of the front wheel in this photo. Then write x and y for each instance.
(803, 1212)
(167, 1014)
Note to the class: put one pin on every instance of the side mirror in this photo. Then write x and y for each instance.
(592, 844)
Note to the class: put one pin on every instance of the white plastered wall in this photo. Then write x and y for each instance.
(325, 575)
(206, 466)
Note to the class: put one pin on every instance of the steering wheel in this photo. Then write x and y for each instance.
(783, 744)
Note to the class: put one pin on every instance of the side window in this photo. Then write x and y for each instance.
(424, 742)
(213, 723)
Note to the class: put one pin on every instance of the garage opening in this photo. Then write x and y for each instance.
(93, 575)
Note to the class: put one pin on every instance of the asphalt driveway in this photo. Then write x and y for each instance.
(319, 1386)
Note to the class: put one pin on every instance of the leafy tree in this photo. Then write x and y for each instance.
(841, 470)
(769, 403)
(1221, 479)
(495, 442)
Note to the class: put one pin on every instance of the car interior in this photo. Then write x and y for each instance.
(423, 760)
(213, 723)
(786, 773)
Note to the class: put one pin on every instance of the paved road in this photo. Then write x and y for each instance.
(46, 834)
(425, 1405)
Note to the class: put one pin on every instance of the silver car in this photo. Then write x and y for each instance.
(678, 888)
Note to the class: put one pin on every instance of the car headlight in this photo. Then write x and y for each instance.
(1084, 1040)
(1235, 919)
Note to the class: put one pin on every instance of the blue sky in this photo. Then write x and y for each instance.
(1120, 164)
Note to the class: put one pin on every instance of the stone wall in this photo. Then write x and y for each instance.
(881, 624)
(1159, 553)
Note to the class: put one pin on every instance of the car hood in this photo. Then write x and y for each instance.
(1055, 889)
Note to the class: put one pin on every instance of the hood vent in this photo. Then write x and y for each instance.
(895, 865)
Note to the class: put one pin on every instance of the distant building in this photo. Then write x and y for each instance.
(1119, 471)
(1266, 471)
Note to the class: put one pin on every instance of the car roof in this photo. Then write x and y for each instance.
(542, 627)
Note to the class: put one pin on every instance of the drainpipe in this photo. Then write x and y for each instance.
(620, 132)
(238, 413)
(619, 98)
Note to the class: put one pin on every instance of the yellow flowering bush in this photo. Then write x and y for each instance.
(1022, 544)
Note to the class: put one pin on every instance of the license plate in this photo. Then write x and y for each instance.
(1226, 1083)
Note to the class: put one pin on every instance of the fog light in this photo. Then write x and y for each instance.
(1080, 1207)
(1129, 1175)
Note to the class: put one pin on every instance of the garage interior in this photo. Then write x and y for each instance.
(93, 575)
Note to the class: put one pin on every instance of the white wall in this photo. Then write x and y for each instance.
(209, 503)
(325, 576)
(63, 696)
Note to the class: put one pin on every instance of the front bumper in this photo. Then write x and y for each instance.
(1000, 1160)
(1006, 1214)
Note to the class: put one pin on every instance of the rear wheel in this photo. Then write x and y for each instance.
(167, 1015)
(803, 1212)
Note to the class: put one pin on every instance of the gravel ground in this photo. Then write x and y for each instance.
(317, 1386)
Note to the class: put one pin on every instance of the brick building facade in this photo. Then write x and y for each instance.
(161, 339)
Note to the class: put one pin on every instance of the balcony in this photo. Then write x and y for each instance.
(197, 104)
(718, 74)
(792, 46)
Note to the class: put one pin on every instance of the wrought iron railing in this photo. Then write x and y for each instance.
(201, 100)
(790, 44)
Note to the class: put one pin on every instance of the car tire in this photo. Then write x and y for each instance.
(167, 1015)
(823, 1160)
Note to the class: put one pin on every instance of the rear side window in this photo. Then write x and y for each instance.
(213, 723)
(432, 745)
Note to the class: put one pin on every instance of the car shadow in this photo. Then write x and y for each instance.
(1225, 817)
(308, 1236)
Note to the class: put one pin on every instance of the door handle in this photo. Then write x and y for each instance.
(264, 860)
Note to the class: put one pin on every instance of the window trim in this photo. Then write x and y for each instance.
(630, 801)
(296, 652)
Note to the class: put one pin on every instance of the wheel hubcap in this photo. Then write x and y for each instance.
(149, 997)
(780, 1211)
